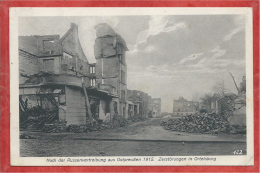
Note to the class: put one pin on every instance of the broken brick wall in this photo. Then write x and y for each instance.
(71, 45)
(29, 44)
(105, 47)
(49, 64)
(48, 45)
(39, 53)
(108, 70)
(28, 65)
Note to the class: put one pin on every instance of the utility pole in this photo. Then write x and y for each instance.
(234, 81)
(87, 105)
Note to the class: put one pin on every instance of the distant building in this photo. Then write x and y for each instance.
(143, 104)
(183, 107)
(141, 98)
(154, 107)
(133, 104)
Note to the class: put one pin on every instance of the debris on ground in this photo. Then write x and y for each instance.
(207, 123)
(58, 126)
(27, 136)
(97, 125)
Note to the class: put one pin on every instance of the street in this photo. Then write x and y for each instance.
(146, 138)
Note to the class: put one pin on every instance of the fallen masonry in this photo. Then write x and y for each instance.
(203, 123)
(27, 136)
(59, 126)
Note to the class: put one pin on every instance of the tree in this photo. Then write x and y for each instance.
(220, 88)
(206, 101)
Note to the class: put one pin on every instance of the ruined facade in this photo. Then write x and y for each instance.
(133, 105)
(58, 83)
(144, 104)
(111, 68)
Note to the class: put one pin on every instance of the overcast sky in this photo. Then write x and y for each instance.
(169, 56)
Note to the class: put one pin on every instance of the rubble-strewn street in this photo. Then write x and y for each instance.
(145, 138)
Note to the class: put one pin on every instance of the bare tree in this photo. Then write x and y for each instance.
(220, 88)
(206, 100)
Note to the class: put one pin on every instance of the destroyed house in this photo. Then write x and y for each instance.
(111, 68)
(56, 82)
(139, 98)
(155, 106)
(144, 104)
(133, 105)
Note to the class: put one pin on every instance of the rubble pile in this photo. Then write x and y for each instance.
(99, 125)
(58, 126)
(28, 124)
(137, 118)
(207, 123)
(119, 121)
(236, 129)
(76, 128)
(27, 136)
(88, 127)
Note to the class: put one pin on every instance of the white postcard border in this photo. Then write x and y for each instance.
(16, 12)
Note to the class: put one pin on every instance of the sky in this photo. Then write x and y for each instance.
(169, 56)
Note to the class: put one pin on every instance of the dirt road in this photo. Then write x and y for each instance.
(140, 139)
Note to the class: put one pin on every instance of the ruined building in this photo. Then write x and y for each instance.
(133, 105)
(155, 107)
(57, 82)
(111, 71)
(111, 68)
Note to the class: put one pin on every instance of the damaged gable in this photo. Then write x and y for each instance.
(71, 44)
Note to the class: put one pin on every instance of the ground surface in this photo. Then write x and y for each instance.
(140, 139)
